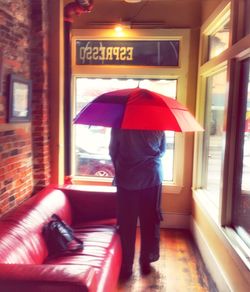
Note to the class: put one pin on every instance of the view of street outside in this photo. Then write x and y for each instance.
(91, 142)
(214, 167)
(214, 143)
(245, 185)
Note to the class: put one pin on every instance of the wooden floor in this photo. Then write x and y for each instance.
(180, 268)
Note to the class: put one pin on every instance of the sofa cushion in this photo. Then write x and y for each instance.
(101, 252)
(21, 238)
(47, 278)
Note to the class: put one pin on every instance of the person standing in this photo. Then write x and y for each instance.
(136, 156)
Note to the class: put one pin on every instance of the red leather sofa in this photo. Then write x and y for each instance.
(24, 262)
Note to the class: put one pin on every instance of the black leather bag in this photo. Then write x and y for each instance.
(60, 237)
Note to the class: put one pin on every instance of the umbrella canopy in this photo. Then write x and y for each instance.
(247, 125)
(138, 109)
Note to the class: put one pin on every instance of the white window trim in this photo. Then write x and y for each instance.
(201, 101)
(203, 197)
(208, 68)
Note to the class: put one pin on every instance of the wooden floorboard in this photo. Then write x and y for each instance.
(180, 268)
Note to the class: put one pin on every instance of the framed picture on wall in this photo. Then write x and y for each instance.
(19, 99)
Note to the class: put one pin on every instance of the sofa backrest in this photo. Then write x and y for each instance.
(21, 239)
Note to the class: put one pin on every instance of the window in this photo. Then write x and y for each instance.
(222, 166)
(91, 157)
(212, 100)
(216, 34)
(245, 184)
(241, 212)
(85, 163)
(219, 40)
(214, 138)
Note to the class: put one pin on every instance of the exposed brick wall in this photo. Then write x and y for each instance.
(39, 73)
(24, 148)
(16, 179)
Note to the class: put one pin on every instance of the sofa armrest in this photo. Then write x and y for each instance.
(91, 202)
(49, 278)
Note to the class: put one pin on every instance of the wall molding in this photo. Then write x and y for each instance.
(209, 258)
(184, 221)
(175, 220)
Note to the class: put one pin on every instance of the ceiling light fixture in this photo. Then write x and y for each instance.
(119, 27)
(132, 1)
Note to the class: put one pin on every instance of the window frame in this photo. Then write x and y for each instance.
(179, 73)
(238, 192)
(219, 69)
(238, 50)
(211, 26)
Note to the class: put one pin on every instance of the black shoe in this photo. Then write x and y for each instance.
(145, 268)
(154, 258)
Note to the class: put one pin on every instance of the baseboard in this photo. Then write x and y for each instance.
(209, 258)
(174, 220)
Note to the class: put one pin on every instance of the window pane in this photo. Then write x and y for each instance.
(245, 185)
(214, 140)
(91, 157)
(219, 41)
(241, 210)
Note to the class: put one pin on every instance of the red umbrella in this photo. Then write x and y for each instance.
(247, 125)
(138, 109)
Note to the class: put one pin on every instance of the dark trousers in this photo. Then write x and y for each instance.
(145, 205)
